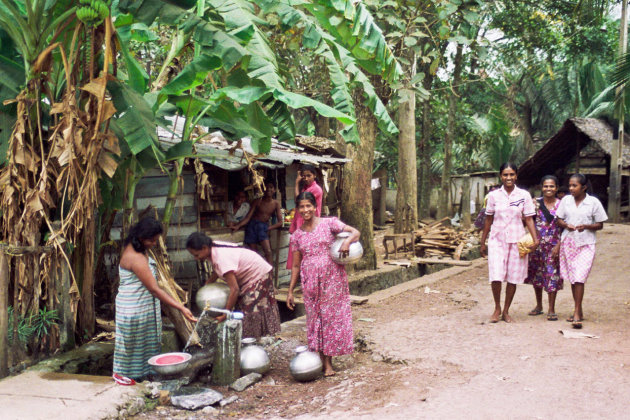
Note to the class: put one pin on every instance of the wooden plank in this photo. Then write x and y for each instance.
(458, 251)
(441, 261)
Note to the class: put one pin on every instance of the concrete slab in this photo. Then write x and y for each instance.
(45, 395)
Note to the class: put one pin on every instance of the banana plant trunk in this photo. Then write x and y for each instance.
(171, 198)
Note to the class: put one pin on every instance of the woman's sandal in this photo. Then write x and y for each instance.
(535, 312)
(552, 317)
(577, 325)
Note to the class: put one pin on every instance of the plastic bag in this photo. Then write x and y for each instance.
(524, 245)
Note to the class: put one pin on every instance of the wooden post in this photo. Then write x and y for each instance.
(276, 258)
(616, 154)
(380, 215)
(465, 202)
(4, 315)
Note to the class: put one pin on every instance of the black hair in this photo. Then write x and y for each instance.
(581, 178)
(146, 228)
(270, 182)
(563, 189)
(549, 177)
(508, 165)
(306, 195)
(197, 240)
(307, 167)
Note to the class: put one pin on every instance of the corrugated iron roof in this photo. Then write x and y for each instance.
(218, 151)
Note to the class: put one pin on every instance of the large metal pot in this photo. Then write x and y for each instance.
(253, 358)
(213, 295)
(305, 365)
(170, 363)
(355, 251)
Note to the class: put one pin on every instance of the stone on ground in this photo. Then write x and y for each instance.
(192, 398)
(241, 383)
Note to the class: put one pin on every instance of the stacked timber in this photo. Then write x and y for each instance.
(436, 239)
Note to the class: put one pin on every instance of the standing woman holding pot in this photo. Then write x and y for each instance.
(247, 275)
(505, 211)
(324, 282)
(138, 315)
(580, 215)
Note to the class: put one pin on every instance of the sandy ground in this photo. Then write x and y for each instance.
(430, 353)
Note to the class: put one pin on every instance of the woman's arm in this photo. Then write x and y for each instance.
(140, 267)
(531, 227)
(295, 272)
(344, 249)
(230, 279)
(484, 234)
(592, 226)
(213, 277)
(564, 225)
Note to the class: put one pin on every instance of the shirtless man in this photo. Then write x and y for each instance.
(257, 221)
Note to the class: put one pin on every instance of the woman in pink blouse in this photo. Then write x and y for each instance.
(305, 182)
(505, 211)
(247, 275)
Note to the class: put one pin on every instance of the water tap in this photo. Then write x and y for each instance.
(230, 314)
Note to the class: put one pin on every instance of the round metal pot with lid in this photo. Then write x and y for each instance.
(355, 252)
(212, 295)
(305, 365)
(253, 358)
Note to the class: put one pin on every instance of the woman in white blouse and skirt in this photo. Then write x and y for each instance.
(580, 215)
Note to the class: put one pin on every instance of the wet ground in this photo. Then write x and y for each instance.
(429, 352)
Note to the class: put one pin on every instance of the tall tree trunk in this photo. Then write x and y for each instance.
(424, 173)
(528, 130)
(356, 201)
(406, 216)
(445, 190)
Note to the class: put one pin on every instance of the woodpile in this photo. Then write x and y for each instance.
(434, 239)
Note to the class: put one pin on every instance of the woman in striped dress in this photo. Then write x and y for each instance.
(138, 317)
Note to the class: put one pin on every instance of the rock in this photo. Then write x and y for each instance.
(267, 341)
(241, 383)
(122, 414)
(174, 384)
(136, 406)
(209, 410)
(377, 358)
(164, 398)
(227, 401)
(192, 398)
(170, 342)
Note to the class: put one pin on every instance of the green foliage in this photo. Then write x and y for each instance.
(34, 327)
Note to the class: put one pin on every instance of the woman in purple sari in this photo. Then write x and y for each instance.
(544, 270)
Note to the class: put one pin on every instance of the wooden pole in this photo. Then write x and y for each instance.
(4, 315)
(614, 195)
(277, 259)
(465, 203)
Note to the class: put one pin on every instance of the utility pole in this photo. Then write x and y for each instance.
(614, 191)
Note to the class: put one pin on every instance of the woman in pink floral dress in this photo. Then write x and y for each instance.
(324, 282)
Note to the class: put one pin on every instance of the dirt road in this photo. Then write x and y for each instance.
(431, 354)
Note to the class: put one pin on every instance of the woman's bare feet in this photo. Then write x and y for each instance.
(328, 368)
(507, 318)
(496, 316)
